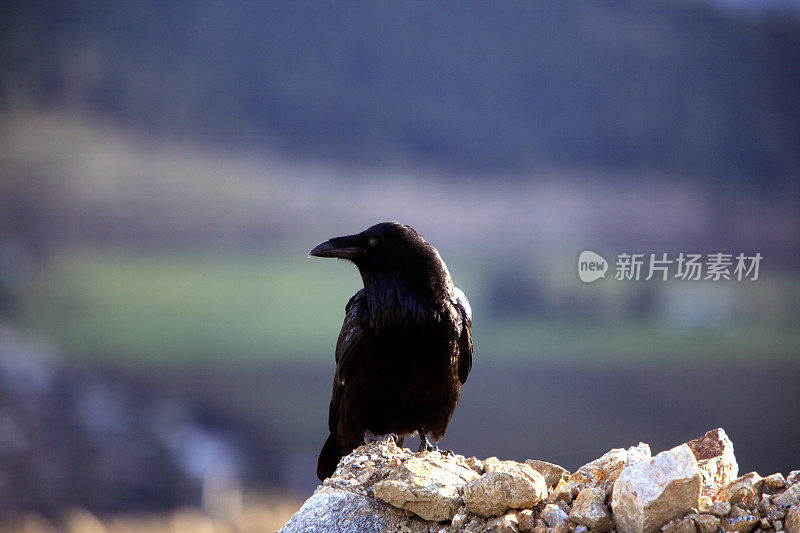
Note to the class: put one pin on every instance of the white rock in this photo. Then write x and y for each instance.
(648, 495)
(715, 457)
(790, 496)
(589, 509)
(638, 454)
(603, 471)
(427, 486)
(339, 511)
(553, 515)
(552, 472)
(505, 485)
(503, 524)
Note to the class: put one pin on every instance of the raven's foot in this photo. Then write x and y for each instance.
(369, 438)
(427, 446)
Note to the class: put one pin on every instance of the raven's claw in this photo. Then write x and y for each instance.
(427, 446)
(370, 438)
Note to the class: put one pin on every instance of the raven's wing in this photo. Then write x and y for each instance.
(348, 349)
(465, 339)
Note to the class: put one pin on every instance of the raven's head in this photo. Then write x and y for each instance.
(391, 251)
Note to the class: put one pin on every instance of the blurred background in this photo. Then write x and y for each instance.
(166, 346)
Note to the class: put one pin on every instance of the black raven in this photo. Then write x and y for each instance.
(405, 347)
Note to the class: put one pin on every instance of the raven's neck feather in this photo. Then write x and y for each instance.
(390, 303)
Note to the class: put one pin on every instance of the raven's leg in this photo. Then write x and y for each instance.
(369, 438)
(424, 444)
(427, 446)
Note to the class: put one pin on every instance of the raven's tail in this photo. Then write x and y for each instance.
(328, 459)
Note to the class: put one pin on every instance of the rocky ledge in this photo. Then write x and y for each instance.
(692, 488)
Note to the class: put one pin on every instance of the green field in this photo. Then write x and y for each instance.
(282, 306)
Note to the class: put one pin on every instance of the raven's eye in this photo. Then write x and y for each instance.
(372, 241)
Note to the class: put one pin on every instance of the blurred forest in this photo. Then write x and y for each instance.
(165, 168)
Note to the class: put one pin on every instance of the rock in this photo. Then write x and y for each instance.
(503, 524)
(774, 482)
(590, 510)
(706, 523)
(526, 520)
(564, 506)
(340, 511)
(460, 519)
(778, 525)
(475, 464)
(638, 454)
(552, 473)
(790, 496)
(505, 485)
(705, 503)
(603, 471)
(739, 521)
(428, 486)
(560, 528)
(553, 515)
(679, 525)
(792, 520)
(764, 524)
(745, 490)
(774, 512)
(715, 457)
(719, 508)
(650, 494)
(581, 529)
(561, 493)
(793, 477)
(540, 526)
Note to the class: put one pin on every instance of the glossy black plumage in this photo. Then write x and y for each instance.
(405, 347)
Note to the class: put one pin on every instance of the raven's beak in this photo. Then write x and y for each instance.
(347, 247)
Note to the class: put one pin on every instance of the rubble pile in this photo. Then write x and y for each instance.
(692, 488)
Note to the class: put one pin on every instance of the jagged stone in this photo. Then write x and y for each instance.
(715, 459)
(648, 495)
(745, 490)
(589, 509)
(719, 508)
(792, 520)
(526, 520)
(638, 454)
(705, 503)
(475, 464)
(503, 524)
(428, 486)
(340, 511)
(603, 471)
(790, 496)
(774, 482)
(564, 506)
(706, 523)
(679, 525)
(739, 521)
(793, 477)
(505, 485)
(552, 473)
(561, 493)
(460, 519)
(774, 512)
(553, 515)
